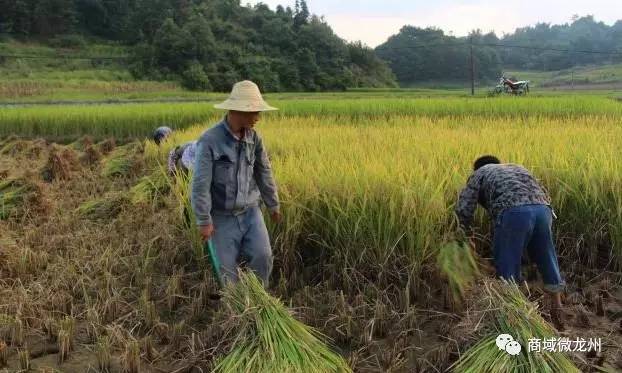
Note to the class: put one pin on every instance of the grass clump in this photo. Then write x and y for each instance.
(269, 339)
(457, 264)
(501, 308)
(150, 187)
(104, 208)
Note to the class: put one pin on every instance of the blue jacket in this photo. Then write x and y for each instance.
(230, 174)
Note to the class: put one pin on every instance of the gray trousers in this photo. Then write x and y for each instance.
(244, 236)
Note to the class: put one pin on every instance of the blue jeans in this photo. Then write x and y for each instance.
(242, 236)
(528, 227)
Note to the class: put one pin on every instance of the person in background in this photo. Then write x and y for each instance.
(182, 158)
(520, 209)
(161, 134)
(232, 175)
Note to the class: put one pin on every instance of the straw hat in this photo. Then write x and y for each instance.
(245, 96)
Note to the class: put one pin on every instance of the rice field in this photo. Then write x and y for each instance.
(366, 256)
(138, 120)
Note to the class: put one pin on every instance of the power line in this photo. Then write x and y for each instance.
(408, 47)
(550, 49)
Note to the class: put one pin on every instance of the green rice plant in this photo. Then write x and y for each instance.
(269, 339)
(104, 208)
(503, 309)
(139, 120)
(150, 187)
(457, 264)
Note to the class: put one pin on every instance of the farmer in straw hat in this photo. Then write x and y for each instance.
(232, 174)
(522, 218)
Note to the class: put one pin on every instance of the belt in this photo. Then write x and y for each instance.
(235, 212)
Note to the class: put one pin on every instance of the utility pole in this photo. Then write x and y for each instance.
(472, 68)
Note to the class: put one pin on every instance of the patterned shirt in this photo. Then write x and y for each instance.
(185, 154)
(498, 187)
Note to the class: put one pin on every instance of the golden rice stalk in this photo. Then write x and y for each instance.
(24, 359)
(4, 354)
(150, 352)
(17, 332)
(65, 338)
(173, 291)
(50, 327)
(149, 311)
(103, 353)
(177, 335)
(93, 323)
(131, 357)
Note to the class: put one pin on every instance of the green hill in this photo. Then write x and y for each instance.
(583, 77)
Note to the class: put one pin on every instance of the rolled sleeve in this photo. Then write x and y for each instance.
(201, 198)
(264, 178)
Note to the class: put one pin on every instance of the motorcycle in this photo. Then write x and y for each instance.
(509, 86)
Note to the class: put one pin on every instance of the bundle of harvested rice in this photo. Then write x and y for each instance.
(19, 196)
(457, 264)
(106, 146)
(150, 187)
(13, 146)
(124, 161)
(269, 339)
(104, 208)
(60, 165)
(82, 143)
(90, 156)
(501, 308)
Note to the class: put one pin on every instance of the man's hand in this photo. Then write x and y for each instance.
(206, 231)
(276, 216)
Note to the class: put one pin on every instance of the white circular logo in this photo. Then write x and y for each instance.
(503, 339)
(513, 348)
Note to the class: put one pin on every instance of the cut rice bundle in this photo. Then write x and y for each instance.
(19, 196)
(104, 208)
(503, 309)
(457, 264)
(123, 161)
(150, 187)
(269, 339)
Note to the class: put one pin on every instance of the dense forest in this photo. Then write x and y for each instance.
(418, 54)
(208, 44)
